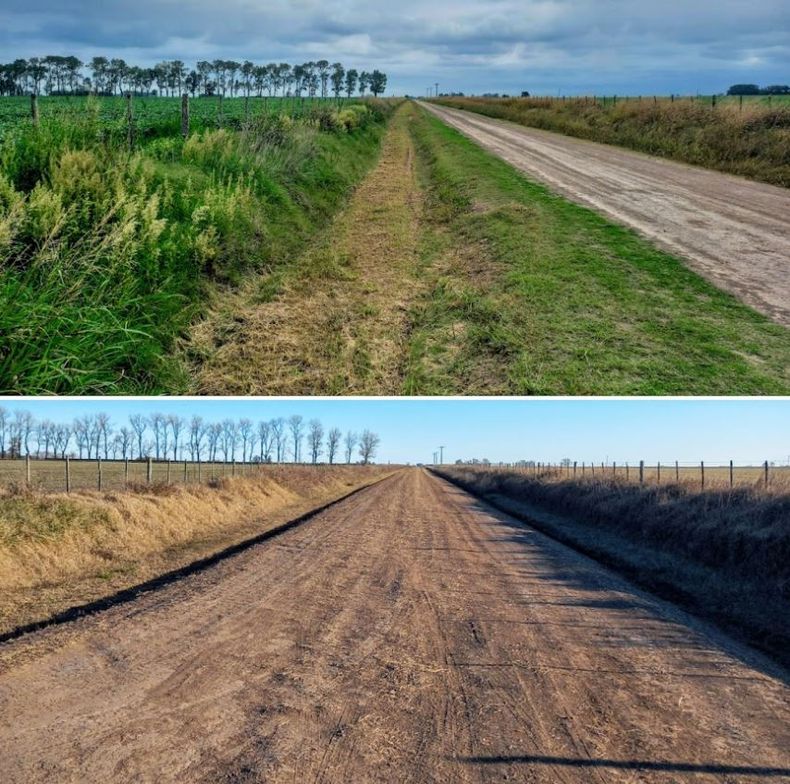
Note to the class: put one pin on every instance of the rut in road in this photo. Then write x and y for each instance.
(410, 633)
(732, 231)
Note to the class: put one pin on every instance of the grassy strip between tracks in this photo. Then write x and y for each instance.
(59, 551)
(108, 255)
(723, 554)
(532, 294)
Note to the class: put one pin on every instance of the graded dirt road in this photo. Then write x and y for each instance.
(409, 633)
(732, 231)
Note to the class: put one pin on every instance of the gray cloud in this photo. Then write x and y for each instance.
(543, 45)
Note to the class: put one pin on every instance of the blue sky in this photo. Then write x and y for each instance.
(748, 431)
(546, 46)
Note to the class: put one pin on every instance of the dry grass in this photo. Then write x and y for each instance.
(722, 552)
(337, 324)
(754, 142)
(58, 550)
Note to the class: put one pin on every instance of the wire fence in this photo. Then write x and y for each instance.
(72, 474)
(701, 474)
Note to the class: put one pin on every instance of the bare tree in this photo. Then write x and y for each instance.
(103, 432)
(214, 432)
(315, 437)
(333, 443)
(229, 439)
(351, 442)
(139, 425)
(278, 429)
(296, 426)
(125, 438)
(177, 424)
(368, 444)
(3, 430)
(265, 441)
(246, 435)
(197, 432)
(158, 423)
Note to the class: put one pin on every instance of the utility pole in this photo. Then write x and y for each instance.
(437, 89)
(434, 458)
(441, 455)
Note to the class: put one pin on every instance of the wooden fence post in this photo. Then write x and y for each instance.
(185, 115)
(99, 473)
(677, 472)
(702, 473)
(198, 469)
(641, 472)
(233, 467)
(68, 475)
(27, 470)
(34, 108)
(185, 472)
(658, 473)
(150, 471)
(574, 469)
(766, 473)
(168, 472)
(627, 471)
(126, 471)
(731, 482)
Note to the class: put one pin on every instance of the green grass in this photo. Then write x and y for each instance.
(107, 255)
(535, 295)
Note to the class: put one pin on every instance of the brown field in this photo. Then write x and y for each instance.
(715, 476)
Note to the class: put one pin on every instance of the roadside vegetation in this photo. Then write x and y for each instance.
(531, 294)
(752, 140)
(108, 254)
(721, 552)
(57, 550)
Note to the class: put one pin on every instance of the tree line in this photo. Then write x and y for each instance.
(58, 75)
(754, 89)
(172, 437)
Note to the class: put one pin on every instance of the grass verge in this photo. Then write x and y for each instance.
(107, 255)
(58, 551)
(723, 554)
(535, 295)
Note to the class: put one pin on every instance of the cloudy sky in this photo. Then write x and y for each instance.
(546, 46)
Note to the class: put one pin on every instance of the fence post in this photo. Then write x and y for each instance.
(68, 475)
(677, 472)
(168, 472)
(574, 469)
(185, 472)
(627, 471)
(34, 108)
(27, 470)
(641, 472)
(129, 121)
(99, 471)
(233, 467)
(614, 468)
(198, 469)
(126, 471)
(766, 473)
(150, 471)
(185, 115)
(731, 483)
(658, 473)
(702, 473)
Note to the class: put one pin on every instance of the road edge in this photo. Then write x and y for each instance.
(127, 595)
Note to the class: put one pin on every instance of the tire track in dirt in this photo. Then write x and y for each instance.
(730, 230)
(409, 633)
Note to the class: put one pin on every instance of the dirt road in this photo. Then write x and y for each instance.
(407, 634)
(732, 231)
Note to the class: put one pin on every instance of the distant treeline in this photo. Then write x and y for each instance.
(753, 89)
(58, 75)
